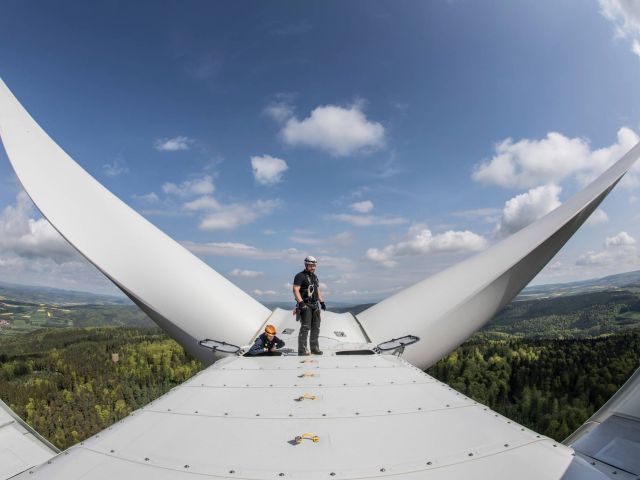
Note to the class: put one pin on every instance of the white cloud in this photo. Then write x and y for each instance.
(242, 250)
(229, 217)
(206, 202)
(264, 293)
(32, 252)
(362, 207)
(487, 215)
(114, 169)
(529, 163)
(24, 236)
(237, 272)
(355, 292)
(281, 109)
(526, 208)
(174, 144)
(420, 241)
(597, 217)
(625, 15)
(618, 250)
(623, 239)
(337, 130)
(367, 220)
(149, 198)
(188, 188)
(306, 240)
(341, 239)
(268, 170)
(214, 214)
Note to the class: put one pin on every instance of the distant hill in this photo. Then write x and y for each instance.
(588, 308)
(620, 280)
(27, 308)
(577, 309)
(36, 294)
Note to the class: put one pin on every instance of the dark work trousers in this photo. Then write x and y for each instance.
(309, 320)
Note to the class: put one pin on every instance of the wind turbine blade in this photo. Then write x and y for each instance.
(445, 309)
(180, 292)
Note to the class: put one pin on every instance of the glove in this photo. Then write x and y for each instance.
(302, 306)
(323, 306)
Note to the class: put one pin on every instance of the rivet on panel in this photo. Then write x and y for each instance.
(186, 466)
(428, 463)
(383, 470)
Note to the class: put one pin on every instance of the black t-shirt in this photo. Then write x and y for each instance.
(309, 284)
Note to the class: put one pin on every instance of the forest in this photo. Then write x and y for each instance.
(66, 385)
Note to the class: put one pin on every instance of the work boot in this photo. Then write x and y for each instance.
(316, 352)
(303, 353)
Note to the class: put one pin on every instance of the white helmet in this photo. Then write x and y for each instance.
(310, 260)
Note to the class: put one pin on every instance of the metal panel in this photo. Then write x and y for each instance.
(448, 307)
(181, 293)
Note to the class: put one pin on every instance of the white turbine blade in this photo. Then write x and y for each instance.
(448, 307)
(180, 292)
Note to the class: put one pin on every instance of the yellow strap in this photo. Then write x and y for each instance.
(306, 396)
(307, 374)
(307, 436)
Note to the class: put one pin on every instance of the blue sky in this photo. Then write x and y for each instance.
(388, 139)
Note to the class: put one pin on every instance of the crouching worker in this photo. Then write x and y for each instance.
(267, 343)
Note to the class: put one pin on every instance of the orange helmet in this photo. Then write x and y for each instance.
(270, 329)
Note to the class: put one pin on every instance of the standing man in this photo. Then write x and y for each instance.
(306, 290)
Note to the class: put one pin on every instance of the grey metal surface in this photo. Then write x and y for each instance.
(445, 309)
(611, 437)
(177, 290)
(20, 446)
(375, 416)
